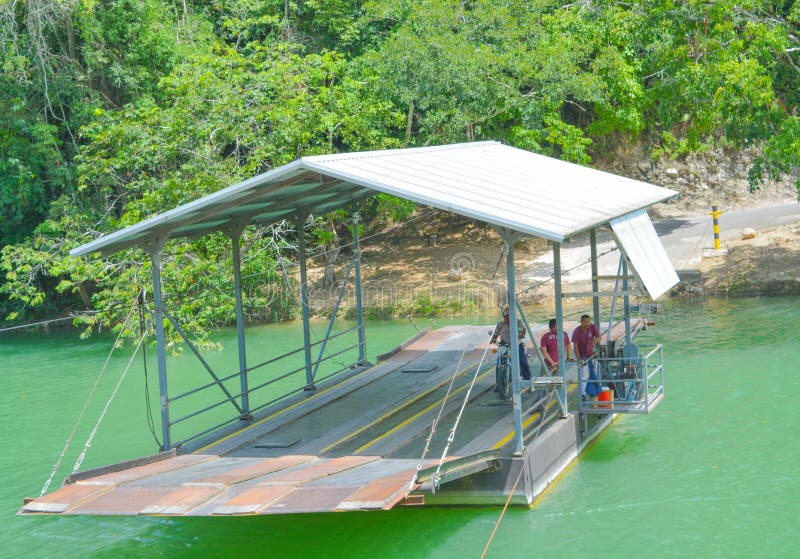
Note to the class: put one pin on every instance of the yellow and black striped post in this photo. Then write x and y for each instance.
(715, 214)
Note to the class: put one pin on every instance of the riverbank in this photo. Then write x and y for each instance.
(463, 270)
(766, 264)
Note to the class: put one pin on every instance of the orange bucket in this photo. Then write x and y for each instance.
(605, 395)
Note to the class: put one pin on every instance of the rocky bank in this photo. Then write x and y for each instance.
(767, 264)
(716, 176)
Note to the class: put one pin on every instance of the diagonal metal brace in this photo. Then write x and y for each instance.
(333, 317)
(180, 331)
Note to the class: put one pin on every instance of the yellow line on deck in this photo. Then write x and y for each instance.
(279, 412)
(391, 412)
(502, 442)
(413, 417)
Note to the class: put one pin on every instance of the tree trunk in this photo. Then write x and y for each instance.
(331, 255)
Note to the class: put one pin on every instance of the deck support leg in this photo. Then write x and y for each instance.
(161, 347)
(542, 363)
(613, 307)
(362, 344)
(301, 244)
(519, 444)
(562, 355)
(235, 234)
(626, 301)
(595, 288)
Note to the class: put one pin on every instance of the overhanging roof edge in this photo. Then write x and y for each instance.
(453, 189)
(164, 218)
(406, 151)
(608, 221)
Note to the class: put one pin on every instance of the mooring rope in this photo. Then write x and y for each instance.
(86, 403)
(503, 512)
(411, 319)
(88, 443)
(519, 476)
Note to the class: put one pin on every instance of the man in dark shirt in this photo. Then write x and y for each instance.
(503, 331)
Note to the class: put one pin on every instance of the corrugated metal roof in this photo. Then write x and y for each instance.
(638, 239)
(488, 181)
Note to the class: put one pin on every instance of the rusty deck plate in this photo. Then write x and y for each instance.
(253, 500)
(316, 470)
(250, 471)
(64, 498)
(148, 470)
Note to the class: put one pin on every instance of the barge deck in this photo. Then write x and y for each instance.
(356, 443)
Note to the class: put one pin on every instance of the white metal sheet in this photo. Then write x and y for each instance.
(638, 239)
(498, 184)
(488, 181)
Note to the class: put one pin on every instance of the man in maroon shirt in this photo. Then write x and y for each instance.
(549, 345)
(584, 339)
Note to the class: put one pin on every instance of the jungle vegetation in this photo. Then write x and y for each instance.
(114, 110)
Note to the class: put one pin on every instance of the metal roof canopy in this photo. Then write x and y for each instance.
(488, 181)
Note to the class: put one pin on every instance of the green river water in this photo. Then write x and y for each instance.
(713, 472)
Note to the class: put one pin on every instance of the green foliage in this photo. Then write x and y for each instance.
(111, 112)
(781, 155)
(32, 169)
(126, 45)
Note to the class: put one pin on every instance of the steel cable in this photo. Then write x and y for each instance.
(434, 424)
(436, 420)
(89, 440)
(451, 437)
(86, 405)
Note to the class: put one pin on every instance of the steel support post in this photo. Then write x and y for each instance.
(539, 354)
(362, 344)
(235, 234)
(562, 355)
(512, 323)
(626, 301)
(595, 288)
(161, 347)
(301, 244)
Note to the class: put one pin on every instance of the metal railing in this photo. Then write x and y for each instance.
(273, 377)
(632, 383)
(548, 408)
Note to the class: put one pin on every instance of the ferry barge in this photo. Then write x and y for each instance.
(422, 425)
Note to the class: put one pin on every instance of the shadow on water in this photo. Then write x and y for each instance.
(399, 533)
(617, 443)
